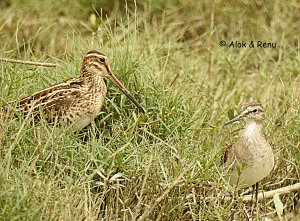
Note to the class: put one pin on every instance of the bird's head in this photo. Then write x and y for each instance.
(251, 112)
(97, 64)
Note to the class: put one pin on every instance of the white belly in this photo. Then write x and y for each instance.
(82, 122)
(249, 175)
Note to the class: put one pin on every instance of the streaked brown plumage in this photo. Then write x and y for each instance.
(76, 101)
(250, 156)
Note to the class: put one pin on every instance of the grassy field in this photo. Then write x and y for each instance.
(163, 165)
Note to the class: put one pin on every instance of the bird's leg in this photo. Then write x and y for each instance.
(256, 197)
(252, 194)
(254, 188)
(256, 193)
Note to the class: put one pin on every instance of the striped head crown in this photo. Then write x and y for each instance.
(95, 62)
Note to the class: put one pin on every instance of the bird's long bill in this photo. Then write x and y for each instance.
(233, 120)
(126, 91)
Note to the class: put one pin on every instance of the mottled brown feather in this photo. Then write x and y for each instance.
(225, 154)
(53, 102)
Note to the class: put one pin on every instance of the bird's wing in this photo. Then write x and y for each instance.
(51, 102)
(225, 159)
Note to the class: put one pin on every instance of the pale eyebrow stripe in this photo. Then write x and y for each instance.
(94, 54)
(96, 64)
(260, 109)
(249, 110)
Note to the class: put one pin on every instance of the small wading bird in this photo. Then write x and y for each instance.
(76, 101)
(250, 156)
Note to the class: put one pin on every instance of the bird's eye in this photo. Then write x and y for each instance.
(102, 59)
(254, 111)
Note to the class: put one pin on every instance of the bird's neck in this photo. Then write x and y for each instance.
(85, 72)
(253, 129)
(89, 78)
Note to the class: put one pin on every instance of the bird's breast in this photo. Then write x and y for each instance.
(88, 106)
(96, 96)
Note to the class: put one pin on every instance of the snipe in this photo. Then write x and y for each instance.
(250, 156)
(76, 101)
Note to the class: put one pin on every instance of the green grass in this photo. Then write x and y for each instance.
(168, 55)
